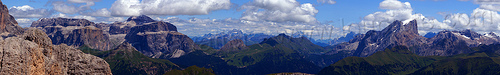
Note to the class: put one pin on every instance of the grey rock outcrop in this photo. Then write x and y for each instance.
(75, 32)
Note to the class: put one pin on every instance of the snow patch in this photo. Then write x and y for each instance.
(488, 35)
(458, 34)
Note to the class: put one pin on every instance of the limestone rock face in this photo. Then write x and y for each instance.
(162, 44)
(395, 34)
(75, 32)
(7, 22)
(158, 39)
(33, 53)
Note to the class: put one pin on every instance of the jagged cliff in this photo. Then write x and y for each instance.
(75, 32)
(7, 21)
(158, 39)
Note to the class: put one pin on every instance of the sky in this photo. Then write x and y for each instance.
(319, 18)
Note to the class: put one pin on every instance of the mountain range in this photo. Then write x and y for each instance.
(141, 45)
(218, 40)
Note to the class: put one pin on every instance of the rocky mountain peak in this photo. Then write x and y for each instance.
(234, 45)
(235, 31)
(125, 46)
(7, 22)
(140, 19)
(492, 34)
(398, 26)
(283, 35)
(469, 33)
(65, 22)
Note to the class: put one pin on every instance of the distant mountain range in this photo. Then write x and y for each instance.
(445, 43)
(218, 40)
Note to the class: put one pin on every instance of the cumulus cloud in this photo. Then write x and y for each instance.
(327, 1)
(27, 11)
(23, 22)
(279, 11)
(126, 8)
(199, 27)
(494, 7)
(480, 20)
(65, 8)
(83, 1)
(104, 12)
(399, 11)
(72, 6)
(90, 18)
(394, 4)
(167, 7)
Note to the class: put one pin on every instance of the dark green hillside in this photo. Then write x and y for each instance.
(192, 70)
(461, 66)
(399, 60)
(274, 55)
(125, 60)
(302, 44)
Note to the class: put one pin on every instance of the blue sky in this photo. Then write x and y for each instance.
(328, 14)
(349, 10)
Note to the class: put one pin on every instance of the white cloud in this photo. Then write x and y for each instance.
(83, 1)
(64, 8)
(113, 19)
(394, 4)
(198, 27)
(480, 20)
(27, 11)
(494, 7)
(90, 18)
(126, 8)
(279, 11)
(401, 12)
(104, 12)
(327, 1)
(72, 6)
(167, 7)
(487, 1)
(24, 22)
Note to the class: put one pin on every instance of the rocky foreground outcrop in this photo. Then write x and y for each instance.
(75, 32)
(31, 52)
(34, 53)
